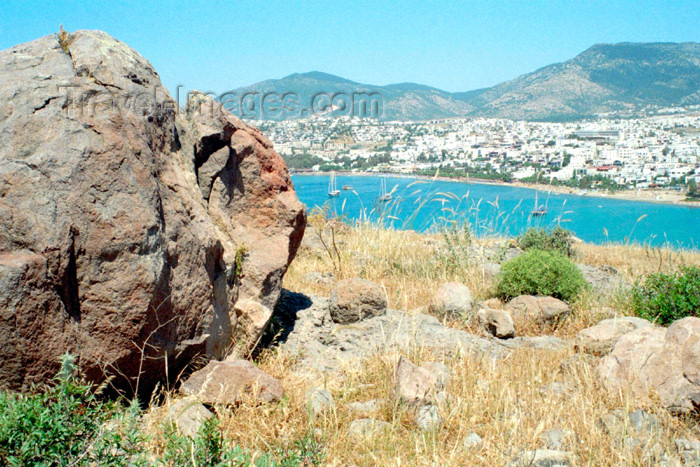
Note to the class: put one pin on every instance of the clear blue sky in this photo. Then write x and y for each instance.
(453, 45)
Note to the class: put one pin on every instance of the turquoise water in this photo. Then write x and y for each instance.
(500, 209)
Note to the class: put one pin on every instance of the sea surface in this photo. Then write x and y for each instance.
(425, 205)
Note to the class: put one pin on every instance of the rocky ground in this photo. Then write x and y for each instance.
(463, 379)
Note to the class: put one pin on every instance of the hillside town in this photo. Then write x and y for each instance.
(659, 151)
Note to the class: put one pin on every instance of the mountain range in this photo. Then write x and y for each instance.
(624, 79)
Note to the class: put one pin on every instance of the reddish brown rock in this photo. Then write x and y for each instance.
(130, 231)
(230, 382)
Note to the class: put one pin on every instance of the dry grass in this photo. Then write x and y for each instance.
(635, 261)
(507, 403)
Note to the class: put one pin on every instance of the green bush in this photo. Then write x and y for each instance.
(538, 272)
(665, 298)
(558, 239)
(66, 424)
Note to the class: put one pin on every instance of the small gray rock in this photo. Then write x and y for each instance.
(188, 415)
(368, 427)
(428, 418)
(643, 422)
(558, 439)
(542, 458)
(689, 451)
(472, 440)
(631, 443)
(367, 408)
(320, 401)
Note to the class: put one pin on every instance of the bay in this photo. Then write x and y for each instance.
(425, 205)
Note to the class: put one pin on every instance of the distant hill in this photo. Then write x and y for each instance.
(406, 101)
(623, 79)
(605, 78)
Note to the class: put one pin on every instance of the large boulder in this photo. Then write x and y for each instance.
(131, 230)
(652, 359)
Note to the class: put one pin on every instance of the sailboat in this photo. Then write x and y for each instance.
(383, 194)
(333, 191)
(540, 209)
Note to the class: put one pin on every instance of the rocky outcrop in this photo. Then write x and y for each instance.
(665, 361)
(130, 230)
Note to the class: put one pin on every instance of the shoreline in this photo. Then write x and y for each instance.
(670, 198)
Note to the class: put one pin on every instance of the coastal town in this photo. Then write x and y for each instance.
(652, 154)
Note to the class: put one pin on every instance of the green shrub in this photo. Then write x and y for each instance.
(66, 424)
(665, 298)
(52, 427)
(558, 239)
(538, 272)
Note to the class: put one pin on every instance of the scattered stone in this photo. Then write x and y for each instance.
(415, 384)
(442, 373)
(320, 278)
(353, 300)
(428, 417)
(368, 427)
(452, 299)
(631, 443)
(601, 338)
(557, 389)
(612, 423)
(367, 408)
(689, 450)
(188, 414)
(230, 381)
(472, 441)
(304, 328)
(665, 360)
(642, 421)
(604, 279)
(320, 401)
(542, 458)
(639, 422)
(558, 439)
(541, 310)
(497, 323)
